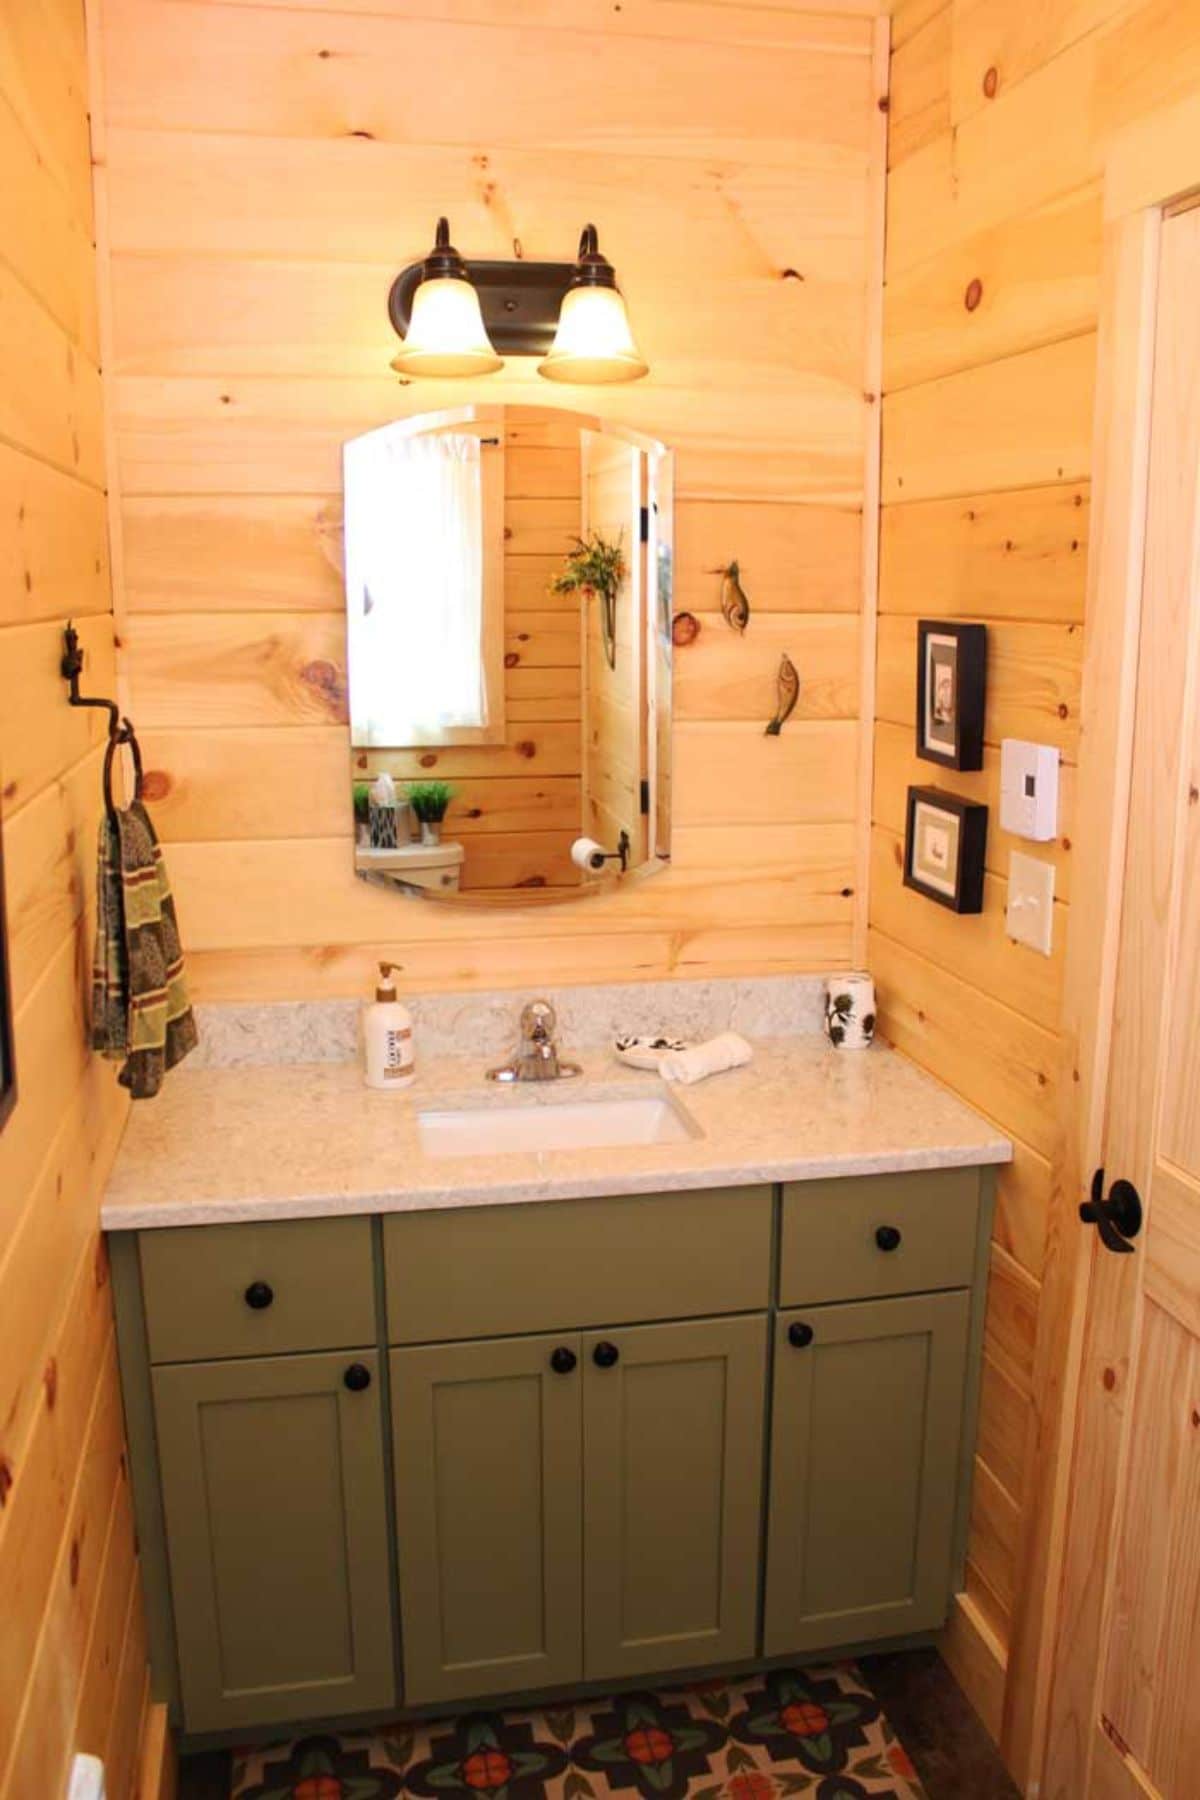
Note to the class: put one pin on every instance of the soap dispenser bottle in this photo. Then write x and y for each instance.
(388, 1035)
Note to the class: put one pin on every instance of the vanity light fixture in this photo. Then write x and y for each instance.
(445, 332)
(593, 342)
(459, 317)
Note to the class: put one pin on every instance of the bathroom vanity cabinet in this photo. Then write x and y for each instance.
(486, 1452)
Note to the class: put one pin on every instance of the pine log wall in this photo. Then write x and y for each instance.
(267, 169)
(1000, 119)
(72, 1643)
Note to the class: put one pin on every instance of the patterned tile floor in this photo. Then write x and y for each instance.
(815, 1732)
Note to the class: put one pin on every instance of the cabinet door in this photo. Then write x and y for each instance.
(673, 1426)
(487, 1449)
(866, 1423)
(276, 1514)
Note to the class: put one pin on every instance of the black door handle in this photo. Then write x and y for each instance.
(357, 1377)
(605, 1355)
(800, 1335)
(1117, 1218)
(259, 1295)
(562, 1360)
(887, 1237)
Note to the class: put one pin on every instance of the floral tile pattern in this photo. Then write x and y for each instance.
(814, 1733)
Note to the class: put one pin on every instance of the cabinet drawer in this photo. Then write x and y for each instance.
(560, 1265)
(311, 1278)
(830, 1250)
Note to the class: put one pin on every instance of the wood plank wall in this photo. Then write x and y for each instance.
(267, 169)
(72, 1644)
(1000, 117)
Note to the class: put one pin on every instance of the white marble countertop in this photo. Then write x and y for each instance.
(306, 1140)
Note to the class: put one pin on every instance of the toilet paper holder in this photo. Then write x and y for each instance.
(588, 854)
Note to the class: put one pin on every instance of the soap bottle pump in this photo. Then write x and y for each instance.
(388, 1035)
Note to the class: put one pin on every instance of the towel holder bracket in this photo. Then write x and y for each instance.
(120, 730)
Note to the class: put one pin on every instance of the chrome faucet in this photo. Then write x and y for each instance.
(536, 1057)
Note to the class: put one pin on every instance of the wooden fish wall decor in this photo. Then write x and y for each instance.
(735, 608)
(787, 692)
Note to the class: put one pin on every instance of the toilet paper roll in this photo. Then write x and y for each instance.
(586, 853)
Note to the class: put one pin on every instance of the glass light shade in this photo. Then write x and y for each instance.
(446, 334)
(593, 342)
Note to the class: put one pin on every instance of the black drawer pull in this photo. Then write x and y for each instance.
(562, 1360)
(800, 1335)
(259, 1295)
(887, 1237)
(357, 1377)
(605, 1355)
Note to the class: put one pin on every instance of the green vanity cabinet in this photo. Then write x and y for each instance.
(672, 1494)
(481, 1453)
(274, 1497)
(486, 1439)
(866, 1433)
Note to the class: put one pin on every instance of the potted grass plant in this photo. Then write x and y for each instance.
(361, 791)
(429, 800)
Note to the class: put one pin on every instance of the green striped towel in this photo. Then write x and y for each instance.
(140, 1010)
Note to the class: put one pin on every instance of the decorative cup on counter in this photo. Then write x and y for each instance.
(850, 1011)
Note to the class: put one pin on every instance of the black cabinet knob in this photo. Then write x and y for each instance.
(887, 1237)
(605, 1355)
(259, 1295)
(562, 1360)
(357, 1377)
(800, 1335)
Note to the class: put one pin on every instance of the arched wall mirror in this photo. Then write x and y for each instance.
(509, 600)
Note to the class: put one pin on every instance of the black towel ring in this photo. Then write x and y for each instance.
(123, 735)
(120, 731)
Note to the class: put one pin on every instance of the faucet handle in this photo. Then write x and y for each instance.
(538, 1020)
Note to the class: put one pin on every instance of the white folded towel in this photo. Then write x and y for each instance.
(727, 1051)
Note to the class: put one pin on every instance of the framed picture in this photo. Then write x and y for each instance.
(944, 848)
(8, 1065)
(951, 685)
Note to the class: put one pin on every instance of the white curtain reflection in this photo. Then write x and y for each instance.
(414, 581)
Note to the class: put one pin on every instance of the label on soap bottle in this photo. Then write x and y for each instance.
(397, 1059)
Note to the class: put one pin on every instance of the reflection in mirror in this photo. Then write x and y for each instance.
(508, 589)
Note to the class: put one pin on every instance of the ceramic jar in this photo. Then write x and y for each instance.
(850, 1011)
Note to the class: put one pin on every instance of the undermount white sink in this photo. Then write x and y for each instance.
(556, 1125)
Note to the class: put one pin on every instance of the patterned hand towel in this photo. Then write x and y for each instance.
(140, 1009)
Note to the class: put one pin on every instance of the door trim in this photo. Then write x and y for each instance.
(1050, 1692)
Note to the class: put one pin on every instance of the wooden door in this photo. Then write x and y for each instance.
(865, 1435)
(276, 1514)
(1126, 1700)
(673, 1423)
(487, 1453)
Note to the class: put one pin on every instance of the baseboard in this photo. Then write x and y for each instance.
(977, 1660)
(158, 1776)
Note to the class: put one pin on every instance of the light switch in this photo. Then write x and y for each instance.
(87, 1778)
(1030, 917)
(1029, 789)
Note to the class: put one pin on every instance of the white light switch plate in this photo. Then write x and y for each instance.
(1030, 916)
(87, 1778)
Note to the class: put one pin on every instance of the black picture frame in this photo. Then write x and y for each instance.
(958, 883)
(951, 692)
(8, 1051)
